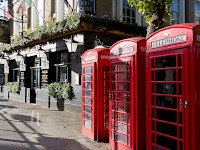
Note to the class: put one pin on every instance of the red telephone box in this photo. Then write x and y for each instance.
(95, 94)
(173, 88)
(127, 102)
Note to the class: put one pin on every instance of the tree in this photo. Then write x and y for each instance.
(155, 12)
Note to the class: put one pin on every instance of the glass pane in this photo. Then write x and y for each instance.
(153, 128)
(153, 138)
(88, 70)
(166, 142)
(88, 101)
(166, 129)
(88, 109)
(180, 75)
(121, 127)
(87, 116)
(180, 132)
(168, 61)
(87, 93)
(152, 75)
(88, 78)
(181, 145)
(166, 88)
(180, 118)
(166, 75)
(166, 115)
(166, 101)
(63, 74)
(88, 124)
(152, 63)
(87, 85)
(152, 101)
(180, 89)
(120, 138)
(123, 117)
(179, 60)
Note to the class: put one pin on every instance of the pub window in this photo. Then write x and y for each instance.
(175, 11)
(63, 73)
(197, 12)
(128, 13)
(16, 76)
(36, 77)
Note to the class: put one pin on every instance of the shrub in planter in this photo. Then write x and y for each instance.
(13, 87)
(61, 91)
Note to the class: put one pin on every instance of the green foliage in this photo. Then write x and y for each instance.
(73, 21)
(149, 7)
(13, 87)
(59, 90)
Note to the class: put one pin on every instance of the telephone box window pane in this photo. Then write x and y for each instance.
(153, 129)
(88, 78)
(180, 89)
(180, 75)
(123, 117)
(152, 63)
(121, 127)
(152, 87)
(88, 125)
(88, 70)
(181, 145)
(152, 75)
(166, 75)
(87, 93)
(180, 118)
(166, 101)
(180, 133)
(170, 116)
(87, 116)
(113, 135)
(87, 85)
(153, 138)
(153, 101)
(166, 142)
(128, 138)
(166, 62)
(120, 138)
(179, 60)
(153, 113)
(88, 101)
(166, 129)
(166, 88)
(88, 109)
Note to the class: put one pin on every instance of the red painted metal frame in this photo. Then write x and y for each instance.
(131, 53)
(98, 59)
(184, 40)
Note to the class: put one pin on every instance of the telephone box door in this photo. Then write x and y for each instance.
(88, 99)
(122, 104)
(167, 102)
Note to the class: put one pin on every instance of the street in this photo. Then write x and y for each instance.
(31, 127)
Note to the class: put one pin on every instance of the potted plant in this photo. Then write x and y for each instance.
(61, 92)
(13, 87)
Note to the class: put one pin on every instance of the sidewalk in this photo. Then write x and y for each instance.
(31, 127)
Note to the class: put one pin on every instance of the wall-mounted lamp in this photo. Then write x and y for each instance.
(71, 44)
(40, 52)
(18, 58)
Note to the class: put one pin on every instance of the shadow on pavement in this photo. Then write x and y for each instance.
(24, 118)
(52, 143)
(7, 106)
(3, 100)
